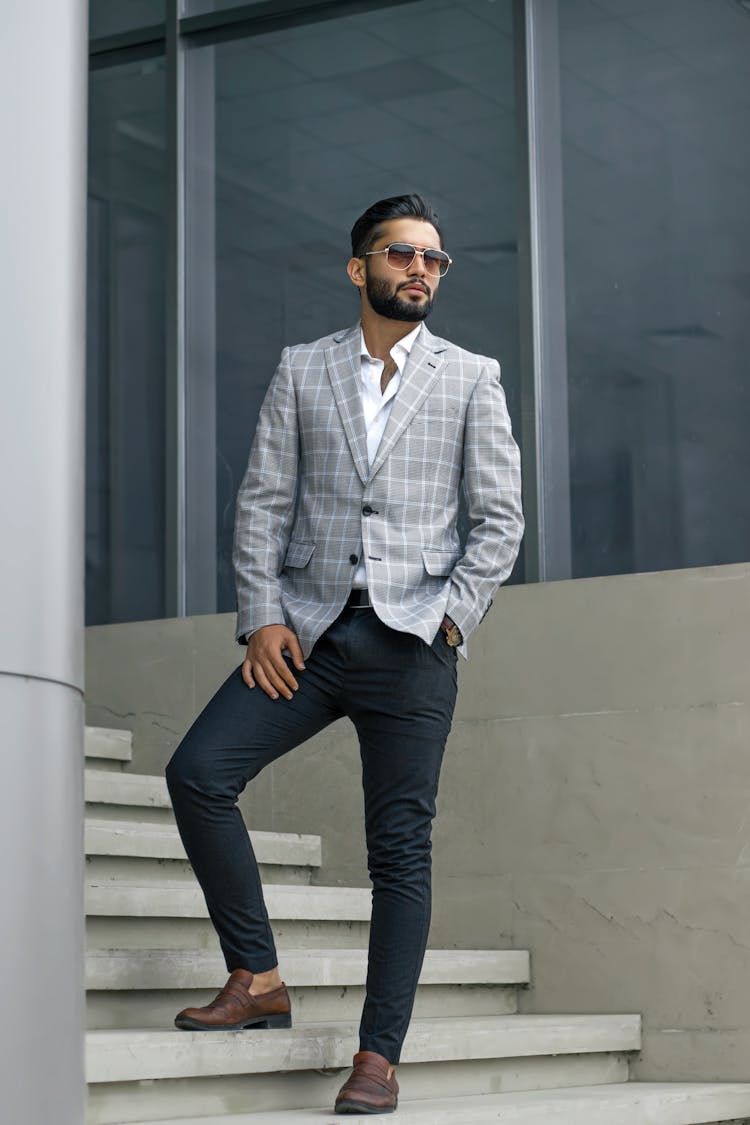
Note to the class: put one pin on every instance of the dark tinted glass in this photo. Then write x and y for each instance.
(125, 345)
(109, 17)
(311, 126)
(656, 152)
(199, 7)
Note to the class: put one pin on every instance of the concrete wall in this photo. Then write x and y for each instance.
(594, 798)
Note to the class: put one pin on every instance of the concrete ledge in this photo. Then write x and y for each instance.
(133, 1056)
(162, 841)
(629, 1103)
(120, 969)
(174, 900)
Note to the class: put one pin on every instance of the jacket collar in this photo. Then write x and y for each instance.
(417, 379)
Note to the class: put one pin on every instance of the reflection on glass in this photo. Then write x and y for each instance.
(656, 158)
(109, 17)
(125, 346)
(199, 7)
(311, 126)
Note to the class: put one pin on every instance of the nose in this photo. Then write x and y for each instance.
(417, 267)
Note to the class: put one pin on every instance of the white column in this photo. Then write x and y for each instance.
(43, 82)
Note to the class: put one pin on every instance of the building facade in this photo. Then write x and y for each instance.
(589, 160)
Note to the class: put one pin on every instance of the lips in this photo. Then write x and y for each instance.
(416, 289)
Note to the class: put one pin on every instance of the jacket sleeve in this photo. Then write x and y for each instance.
(492, 488)
(265, 507)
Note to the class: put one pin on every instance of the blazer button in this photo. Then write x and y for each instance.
(353, 560)
(367, 510)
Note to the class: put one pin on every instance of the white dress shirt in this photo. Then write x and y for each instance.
(376, 405)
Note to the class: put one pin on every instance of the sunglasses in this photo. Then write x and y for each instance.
(400, 255)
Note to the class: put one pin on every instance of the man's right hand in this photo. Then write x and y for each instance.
(264, 664)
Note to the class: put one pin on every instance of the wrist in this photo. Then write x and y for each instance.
(451, 631)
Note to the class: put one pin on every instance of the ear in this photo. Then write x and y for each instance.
(355, 268)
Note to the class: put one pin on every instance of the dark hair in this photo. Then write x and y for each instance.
(367, 227)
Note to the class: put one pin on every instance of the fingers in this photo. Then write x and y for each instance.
(275, 678)
(295, 648)
(265, 664)
(271, 684)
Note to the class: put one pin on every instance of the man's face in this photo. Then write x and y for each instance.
(408, 294)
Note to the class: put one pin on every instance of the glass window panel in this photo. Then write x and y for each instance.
(109, 17)
(200, 7)
(311, 126)
(656, 156)
(125, 345)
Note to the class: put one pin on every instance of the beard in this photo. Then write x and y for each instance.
(388, 303)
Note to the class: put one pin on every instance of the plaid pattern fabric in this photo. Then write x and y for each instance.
(308, 503)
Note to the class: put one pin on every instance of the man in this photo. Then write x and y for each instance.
(353, 596)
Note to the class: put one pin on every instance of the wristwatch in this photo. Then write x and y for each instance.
(453, 635)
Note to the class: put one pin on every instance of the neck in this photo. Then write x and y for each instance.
(381, 333)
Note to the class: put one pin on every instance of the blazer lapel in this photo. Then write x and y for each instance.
(420, 372)
(344, 365)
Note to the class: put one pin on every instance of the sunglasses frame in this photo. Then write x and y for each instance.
(417, 250)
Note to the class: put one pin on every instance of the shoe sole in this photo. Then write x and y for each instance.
(261, 1023)
(360, 1107)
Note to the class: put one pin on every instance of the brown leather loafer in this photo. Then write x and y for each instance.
(370, 1088)
(235, 1009)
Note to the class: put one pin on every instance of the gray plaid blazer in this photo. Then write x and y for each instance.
(309, 504)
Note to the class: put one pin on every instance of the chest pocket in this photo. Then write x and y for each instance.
(437, 419)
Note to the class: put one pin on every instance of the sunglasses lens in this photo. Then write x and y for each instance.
(400, 255)
(436, 262)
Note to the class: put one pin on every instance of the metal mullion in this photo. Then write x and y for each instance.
(544, 378)
(175, 591)
(200, 332)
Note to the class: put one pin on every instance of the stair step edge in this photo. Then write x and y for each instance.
(103, 787)
(120, 1056)
(124, 899)
(108, 742)
(656, 1103)
(177, 969)
(143, 839)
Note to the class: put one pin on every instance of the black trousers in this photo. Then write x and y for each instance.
(400, 694)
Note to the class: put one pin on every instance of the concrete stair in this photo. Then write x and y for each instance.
(136, 839)
(627, 1103)
(125, 899)
(118, 1056)
(144, 988)
(337, 968)
(470, 1056)
(108, 749)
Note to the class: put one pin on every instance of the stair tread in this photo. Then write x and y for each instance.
(656, 1103)
(104, 787)
(129, 837)
(168, 969)
(108, 742)
(171, 899)
(137, 1055)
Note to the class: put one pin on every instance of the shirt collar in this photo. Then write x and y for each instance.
(400, 349)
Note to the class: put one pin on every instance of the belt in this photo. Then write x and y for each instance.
(359, 599)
